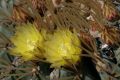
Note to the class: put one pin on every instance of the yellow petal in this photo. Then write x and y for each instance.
(27, 41)
(62, 48)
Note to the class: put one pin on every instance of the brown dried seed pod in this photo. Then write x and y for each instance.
(110, 35)
(39, 5)
(20, 14)
(109, 12)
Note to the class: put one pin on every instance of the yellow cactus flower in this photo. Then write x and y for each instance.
(62, 48)
(27, 41)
